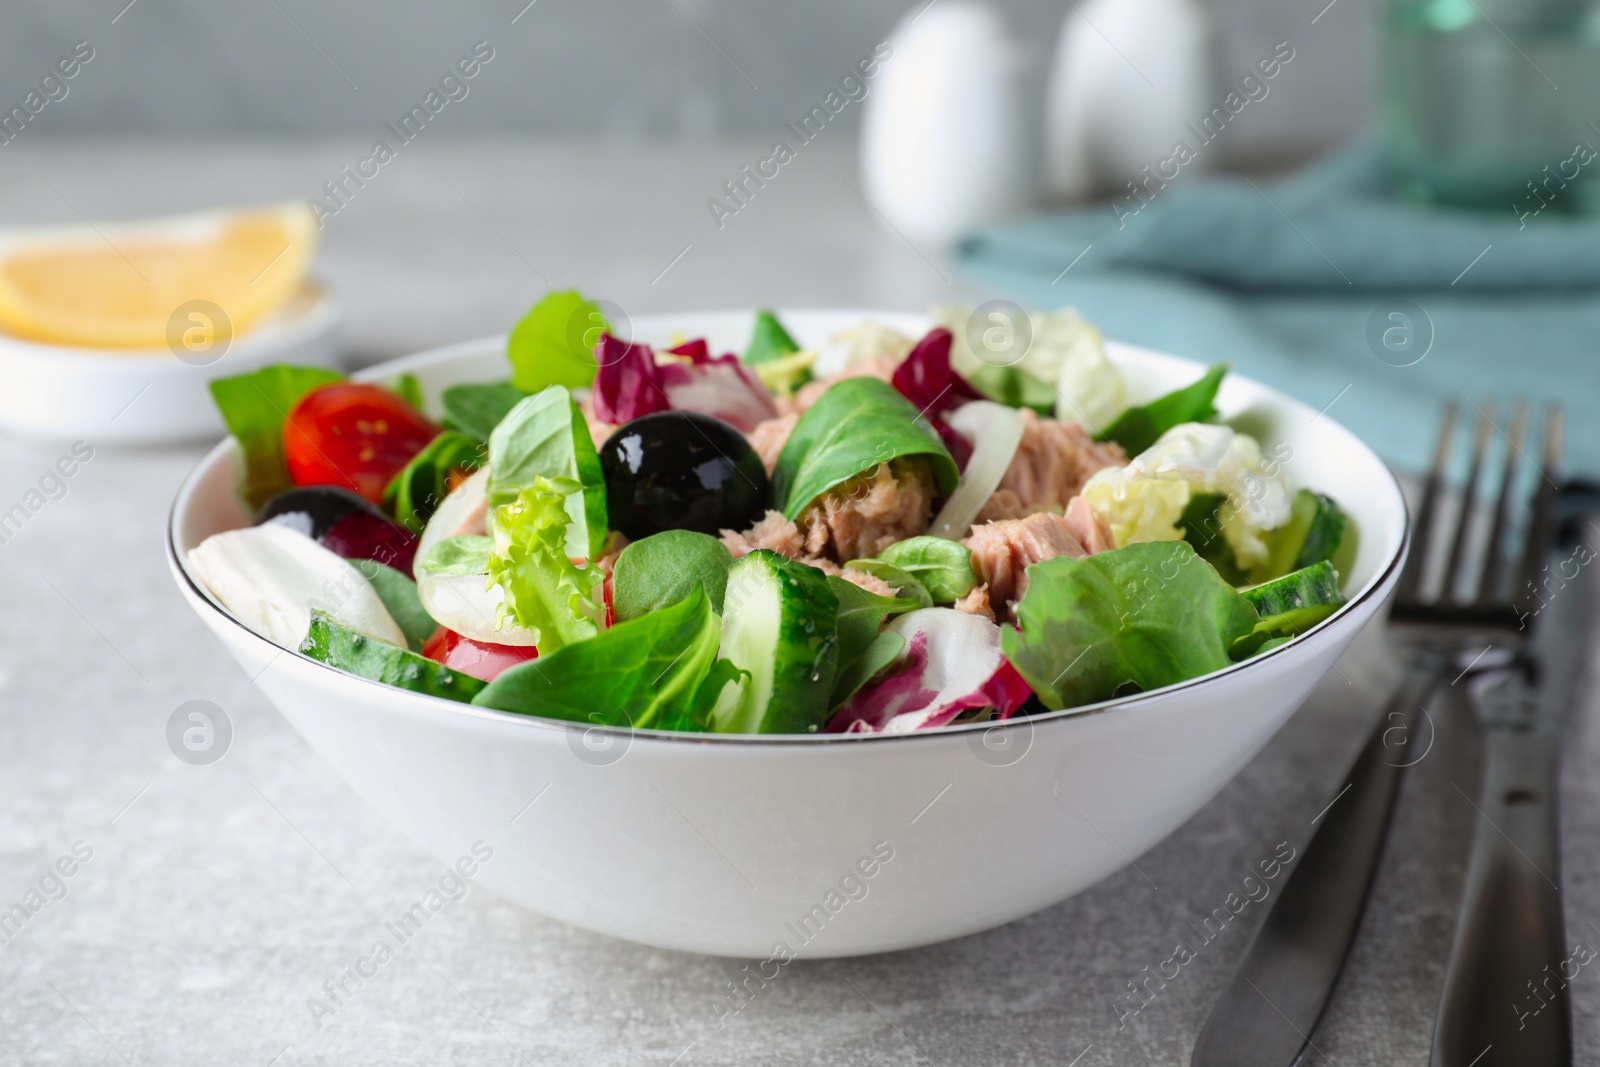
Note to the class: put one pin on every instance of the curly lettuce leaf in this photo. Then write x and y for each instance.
(545, 436)
(1127, 619)
(554, 342)
(545, 592)
(643, 673)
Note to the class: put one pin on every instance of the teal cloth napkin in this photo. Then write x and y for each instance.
(1325, 287)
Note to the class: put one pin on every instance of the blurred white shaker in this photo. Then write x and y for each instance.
(1127, 75)
(944, 147)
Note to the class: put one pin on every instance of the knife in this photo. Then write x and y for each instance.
(1505, 998)
(1265, 1016)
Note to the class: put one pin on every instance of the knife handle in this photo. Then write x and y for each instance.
(1505, 993)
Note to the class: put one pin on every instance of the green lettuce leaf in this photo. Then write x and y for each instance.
(643, 673)
(554, 342)
(1136, 429)
(416, 491)
(855, 426)
(545, 592)
(1014, 387)
(944, 567)
(476, 408)
(255, 406)
(545, 436)
(1138, 617)
(464, 554)
(663, 568)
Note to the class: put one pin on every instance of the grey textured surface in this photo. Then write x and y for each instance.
(615, 68)
(219, 898)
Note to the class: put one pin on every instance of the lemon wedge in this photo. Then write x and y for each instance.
(145, 284)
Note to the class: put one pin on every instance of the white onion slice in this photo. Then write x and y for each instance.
(995, 431)
(467, 604)
(465, 511)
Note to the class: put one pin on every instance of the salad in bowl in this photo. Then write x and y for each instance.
(884, 534)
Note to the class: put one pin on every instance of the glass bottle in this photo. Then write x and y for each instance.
(1494, 104)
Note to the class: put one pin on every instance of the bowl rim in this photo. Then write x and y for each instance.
(1377, 587)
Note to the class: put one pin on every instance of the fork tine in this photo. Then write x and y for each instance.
(1541, 523)
(1469, 500)
(1410, 584)
(1495, 550)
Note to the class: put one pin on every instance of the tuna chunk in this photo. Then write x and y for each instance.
(1089, 530)
(870, 512)
(976, 602)
(769, 437)
(777, 534)
(1053, 461)
(1002, 552)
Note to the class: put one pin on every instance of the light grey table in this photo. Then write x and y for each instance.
(218, 899)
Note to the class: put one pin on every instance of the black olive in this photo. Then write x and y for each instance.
(313, 510)
(676, 470)
(343, 523)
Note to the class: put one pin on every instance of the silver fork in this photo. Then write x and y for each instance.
(1296, 955)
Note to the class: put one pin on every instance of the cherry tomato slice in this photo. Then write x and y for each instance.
(353, 435)
(477, 658)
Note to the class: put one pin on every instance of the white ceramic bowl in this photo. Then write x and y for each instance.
(737, 845)
(149, 396)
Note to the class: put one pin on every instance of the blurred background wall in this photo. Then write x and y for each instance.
(593, 68)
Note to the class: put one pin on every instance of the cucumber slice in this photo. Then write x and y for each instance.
(1290, 605)
(1317, 530)
(779, 623)
(382, 662)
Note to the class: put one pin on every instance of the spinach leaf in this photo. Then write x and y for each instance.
(904, 584)
(255, 406)
(477, 407)
(1138, 617)
(861, 615)
(855, 426)
(944, 567)
(464, 554)
(545, 436)
(554, 342)
(422, 484)
(1136, 429)
(664, 568)
(638, 673)
(399, 596)
(768, 340)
